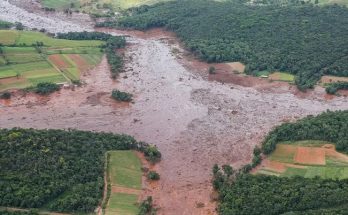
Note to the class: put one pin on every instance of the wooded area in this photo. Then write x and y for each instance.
(55, 169)
(306, 40)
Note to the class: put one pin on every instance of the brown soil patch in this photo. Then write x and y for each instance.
(59, 61)
(326, 79)
(310, 155)
(81, 63)
(275, 166)
(237, 67)
(330, 151)
(12, 80)
(118, 189)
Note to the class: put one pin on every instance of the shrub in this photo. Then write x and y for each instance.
(46, 88)
(212, 70)
(19, 26)
(5, 95)
(146, 207)
(152, 154)
(121, 96)
(152, 175)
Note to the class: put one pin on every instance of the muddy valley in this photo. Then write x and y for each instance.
(194, 122)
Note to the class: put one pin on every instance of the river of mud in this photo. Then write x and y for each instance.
(194, 122)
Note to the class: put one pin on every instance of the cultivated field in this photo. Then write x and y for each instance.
(24, 64)
(328, 79)
(125, 176)
(307, 159)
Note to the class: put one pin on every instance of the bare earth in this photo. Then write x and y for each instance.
(194, 122)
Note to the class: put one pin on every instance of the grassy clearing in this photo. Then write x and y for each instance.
(282, 76)
(60, 4)
(122, 203)
(286, 156)
(125, 168)
(96, 7)
(25, 65)
(125, 172)
(29, 38)
(8, 37)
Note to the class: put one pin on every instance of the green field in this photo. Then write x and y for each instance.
(282, 162)
(125, 169)
(121, 203)
(22, 65)
(96, 7)
(125, 172)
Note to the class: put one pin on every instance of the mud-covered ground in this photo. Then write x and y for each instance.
(195, 122)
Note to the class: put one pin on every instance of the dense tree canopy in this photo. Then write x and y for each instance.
(55, 169)
(261, 194)
(305, 40)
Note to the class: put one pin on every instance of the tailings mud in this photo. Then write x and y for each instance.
(194, 122)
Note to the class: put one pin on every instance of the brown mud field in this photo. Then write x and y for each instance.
(195, 121)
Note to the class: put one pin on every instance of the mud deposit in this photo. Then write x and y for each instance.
(194, 122)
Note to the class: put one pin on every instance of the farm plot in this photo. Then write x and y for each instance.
(59, 61)
(72, 65)
(306, 158)
(8, 37)
(125, 178)
(28, 74)
(328, 79)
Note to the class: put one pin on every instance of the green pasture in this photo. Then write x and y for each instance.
(122, 203)
(28, 38)
(8, 37)
(125, 169)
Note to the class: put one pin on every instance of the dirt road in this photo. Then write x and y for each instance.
(194, 122)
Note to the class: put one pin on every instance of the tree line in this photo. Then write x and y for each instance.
(56, 169)
(306, 40)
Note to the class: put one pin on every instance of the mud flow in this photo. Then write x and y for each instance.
(195, 120)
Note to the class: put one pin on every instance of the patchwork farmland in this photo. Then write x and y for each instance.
(29, 58)
(306, 158)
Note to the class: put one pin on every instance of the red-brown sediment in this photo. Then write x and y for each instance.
(194, 122)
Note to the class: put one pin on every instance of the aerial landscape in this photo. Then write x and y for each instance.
(127, 107)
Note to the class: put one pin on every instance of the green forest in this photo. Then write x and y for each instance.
(303, 39)
(243, 193)
(56, 170)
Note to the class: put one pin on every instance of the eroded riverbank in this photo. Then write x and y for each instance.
(194, 122)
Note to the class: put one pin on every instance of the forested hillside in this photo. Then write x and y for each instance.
(54, 169)
(305, 40)
(260, 194)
